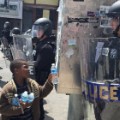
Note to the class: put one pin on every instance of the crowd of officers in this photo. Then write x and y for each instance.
(44, 45)
(7, 34)
(110, 110)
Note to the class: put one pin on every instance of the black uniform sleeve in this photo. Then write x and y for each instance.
(44, 58)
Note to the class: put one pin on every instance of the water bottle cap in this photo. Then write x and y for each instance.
(53, 64)
(16, 95)
(32, 93)
(26, 92)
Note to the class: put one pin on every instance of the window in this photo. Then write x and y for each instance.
(53, 18)
(39, 13)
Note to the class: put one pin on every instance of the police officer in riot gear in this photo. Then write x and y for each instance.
(114, 43)
(6, 40)
(44, 57)
(111, 63)
(114, 14)
(6, 34)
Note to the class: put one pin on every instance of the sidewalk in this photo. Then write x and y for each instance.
(56, 105)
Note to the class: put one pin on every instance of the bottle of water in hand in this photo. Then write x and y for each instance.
(54, 72)
(15, 100)
(24, 96)
(31, 97)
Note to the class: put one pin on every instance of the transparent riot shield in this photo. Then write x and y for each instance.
(22, 49)
(101, 77)
(102, 65)
(97, 59)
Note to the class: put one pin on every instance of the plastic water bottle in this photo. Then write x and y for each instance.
(24, 96)
(53, 69)
(31, 97)
(15, 100)
(54, 72)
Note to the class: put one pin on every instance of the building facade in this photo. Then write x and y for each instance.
(23, 13)
(34, 9)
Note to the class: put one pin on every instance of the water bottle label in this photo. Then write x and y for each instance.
(53, 71)
(24, 99)
(15, 102)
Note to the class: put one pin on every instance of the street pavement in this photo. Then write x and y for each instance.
(56, 105)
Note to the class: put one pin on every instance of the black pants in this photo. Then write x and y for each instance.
(41, 78)
(42, 112)
(98, 108)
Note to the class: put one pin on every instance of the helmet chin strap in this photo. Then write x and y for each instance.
(42, 37)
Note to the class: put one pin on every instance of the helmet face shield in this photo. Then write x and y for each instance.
(114, 10)
(15, 31)
(34, 33)
(7, 25)
(114, 23)
(114, 13)
(36, 29)
(43, 25)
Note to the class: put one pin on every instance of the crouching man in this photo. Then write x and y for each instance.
(12, 107)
